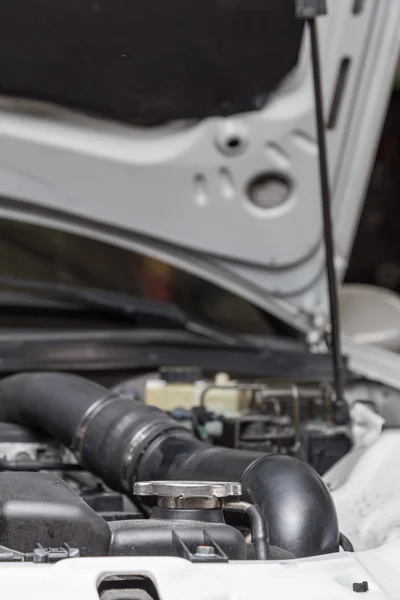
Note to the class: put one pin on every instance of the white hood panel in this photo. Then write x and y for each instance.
(180, 194)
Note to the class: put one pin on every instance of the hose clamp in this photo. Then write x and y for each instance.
(139, 443)
(89, 415)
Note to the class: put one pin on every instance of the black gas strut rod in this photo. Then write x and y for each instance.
(309, 10)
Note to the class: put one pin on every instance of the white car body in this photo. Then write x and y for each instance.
(105, 180)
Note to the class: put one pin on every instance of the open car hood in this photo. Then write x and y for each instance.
(233, 199)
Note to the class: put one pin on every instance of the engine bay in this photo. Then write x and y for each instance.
(209, 470)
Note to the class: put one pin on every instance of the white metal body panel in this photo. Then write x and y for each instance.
(177, 193)
(326, 577)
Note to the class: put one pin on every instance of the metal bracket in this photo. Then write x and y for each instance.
(310, 9)
(52, 555)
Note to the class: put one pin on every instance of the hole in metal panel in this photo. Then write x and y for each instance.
(200, 190)
(269, 190)
(276, 153)
(339, 92)
(233, 142)
(226, 183)
(358, 6)
(125, 587)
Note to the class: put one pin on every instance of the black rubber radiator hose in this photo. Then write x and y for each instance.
(121, 440)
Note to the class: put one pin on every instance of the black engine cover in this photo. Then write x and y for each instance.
(148, 60)
(39, 508)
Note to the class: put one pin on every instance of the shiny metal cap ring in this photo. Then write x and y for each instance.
(187, 489)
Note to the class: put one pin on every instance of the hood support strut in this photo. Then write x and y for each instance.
(309, 10)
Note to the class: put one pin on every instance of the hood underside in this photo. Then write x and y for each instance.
(218, 194)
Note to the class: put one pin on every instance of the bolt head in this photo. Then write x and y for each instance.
(205, 551)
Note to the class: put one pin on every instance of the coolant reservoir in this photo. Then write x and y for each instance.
(181, 388)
